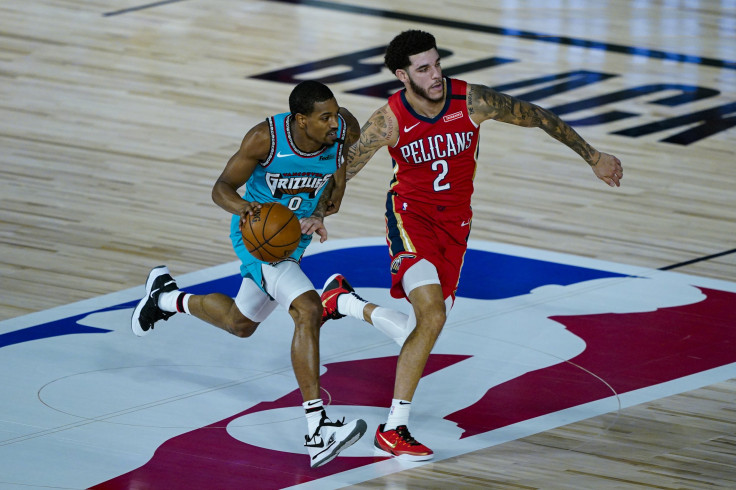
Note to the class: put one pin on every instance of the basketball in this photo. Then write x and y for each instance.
(272, 232)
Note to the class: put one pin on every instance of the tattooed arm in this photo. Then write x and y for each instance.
(380, 130)
(336, 192)
(485, 103)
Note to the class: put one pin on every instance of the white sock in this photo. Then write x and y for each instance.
(351, 305)
(171, 301)
(313, 411)
(396, 325)
(398, 415)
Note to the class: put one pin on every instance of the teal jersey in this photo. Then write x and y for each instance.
(291, 177)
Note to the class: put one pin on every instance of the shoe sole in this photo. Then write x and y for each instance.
(355, 435)
(403, 457)
(135, 323)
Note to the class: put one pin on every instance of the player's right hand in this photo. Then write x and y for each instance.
(247, 210)
(609, 169)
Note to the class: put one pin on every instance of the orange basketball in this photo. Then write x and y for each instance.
(272, 232)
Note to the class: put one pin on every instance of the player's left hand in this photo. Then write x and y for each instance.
(333, 204)
(609, 169)
(312, 225)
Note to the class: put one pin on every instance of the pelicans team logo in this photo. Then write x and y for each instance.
(396, 263)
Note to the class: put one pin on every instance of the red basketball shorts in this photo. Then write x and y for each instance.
(417, 230)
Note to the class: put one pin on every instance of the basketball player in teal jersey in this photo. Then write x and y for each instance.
(294, 158)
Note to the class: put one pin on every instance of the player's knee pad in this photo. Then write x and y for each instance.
(396, 325)
(285, 281)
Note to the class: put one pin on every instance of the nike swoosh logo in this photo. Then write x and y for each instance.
(329, 297)
(465, 223)
(404, 403)
(406, 130)
(392, 446)
(153, 291)
(325, 449)
(316, 402)
(282, 155)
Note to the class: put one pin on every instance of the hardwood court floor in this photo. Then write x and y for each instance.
(117, 118)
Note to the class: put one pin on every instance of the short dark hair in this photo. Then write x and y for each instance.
(306, 94)
(406, 44)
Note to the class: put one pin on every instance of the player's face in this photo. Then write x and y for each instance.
(425, 76)
(321, 123)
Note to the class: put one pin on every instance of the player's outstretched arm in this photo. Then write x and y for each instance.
(380, 130)
(352, 127)
(485, 103)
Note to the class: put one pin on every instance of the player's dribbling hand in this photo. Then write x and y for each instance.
(247, 210)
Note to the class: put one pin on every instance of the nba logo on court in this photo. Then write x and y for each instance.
(535, 340)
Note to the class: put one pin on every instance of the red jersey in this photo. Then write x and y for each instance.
(435, 158)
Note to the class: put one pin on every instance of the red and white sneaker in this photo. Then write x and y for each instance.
(334, 287)
(401, 444)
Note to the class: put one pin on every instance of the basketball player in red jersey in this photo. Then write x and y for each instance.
(431, 131)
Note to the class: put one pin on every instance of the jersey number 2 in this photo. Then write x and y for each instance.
(441, 167)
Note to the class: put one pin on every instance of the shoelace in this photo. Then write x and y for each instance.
(350, 290)
(357, 296)
(403, 432)
(337, 423)
(324, 422)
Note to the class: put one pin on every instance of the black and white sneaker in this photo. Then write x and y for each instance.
(147, 312)
(331, 438)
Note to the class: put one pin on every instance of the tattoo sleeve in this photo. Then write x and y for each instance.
(489, 104)
(563, 132)
(378, 131)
